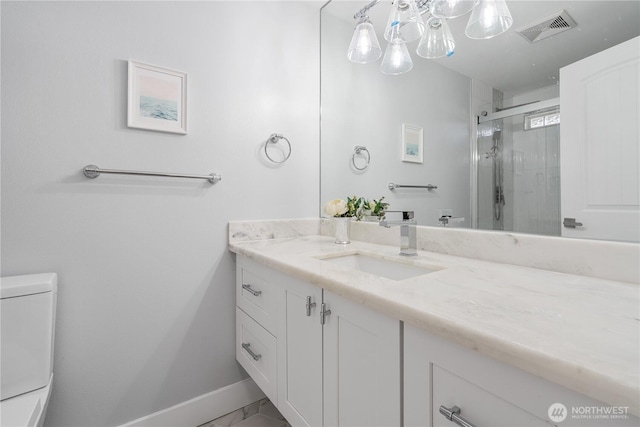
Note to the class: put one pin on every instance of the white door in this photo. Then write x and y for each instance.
(300, 353)
(599, 144)
(361, 366)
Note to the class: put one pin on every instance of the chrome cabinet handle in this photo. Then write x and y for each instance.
(310, 305)
(246, 346)
(323, 313)
(251, 291)
(453, 415)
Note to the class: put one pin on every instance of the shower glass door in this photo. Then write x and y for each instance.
(519, 173)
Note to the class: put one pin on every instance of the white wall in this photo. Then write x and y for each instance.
(362, 106)
(146, 293)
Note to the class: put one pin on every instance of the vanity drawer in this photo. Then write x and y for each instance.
(478, 406)
(256, 293)
(256, 352)
(439, 372)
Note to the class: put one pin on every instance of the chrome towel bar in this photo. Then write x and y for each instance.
(429, 187)
(93, 171)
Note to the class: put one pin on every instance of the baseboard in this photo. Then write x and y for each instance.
(202, 409)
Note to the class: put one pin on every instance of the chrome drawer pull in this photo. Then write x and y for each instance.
(453, 416)
(248, 289)
(246, 346)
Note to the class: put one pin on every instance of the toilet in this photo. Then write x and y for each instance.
(28, 311)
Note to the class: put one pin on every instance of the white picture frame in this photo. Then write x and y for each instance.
(412, 143)
(157, 98)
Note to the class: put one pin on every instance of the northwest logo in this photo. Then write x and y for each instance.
(557, 412)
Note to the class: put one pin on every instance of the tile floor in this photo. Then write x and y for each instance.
(259, 414)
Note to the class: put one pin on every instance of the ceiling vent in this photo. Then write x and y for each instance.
(547, 27)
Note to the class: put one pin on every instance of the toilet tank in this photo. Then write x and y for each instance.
(27, 311)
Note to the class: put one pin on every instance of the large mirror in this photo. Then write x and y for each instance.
(419, 130)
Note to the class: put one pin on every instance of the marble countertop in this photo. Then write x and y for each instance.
(580, 332)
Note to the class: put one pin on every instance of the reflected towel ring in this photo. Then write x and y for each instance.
(357, 150)
(273, 139)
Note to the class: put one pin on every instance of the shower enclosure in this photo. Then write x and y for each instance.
(518, 169)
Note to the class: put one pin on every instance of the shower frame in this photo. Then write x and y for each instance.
(485, 117)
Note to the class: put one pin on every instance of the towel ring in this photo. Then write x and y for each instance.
(357, 150)
(273, 139)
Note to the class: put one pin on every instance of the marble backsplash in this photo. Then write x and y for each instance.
(242, 231)
(593, 258)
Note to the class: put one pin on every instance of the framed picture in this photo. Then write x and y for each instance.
(157, 98)
(412, 146)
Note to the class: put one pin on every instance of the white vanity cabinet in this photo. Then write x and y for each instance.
(439, 373)
(340, 369)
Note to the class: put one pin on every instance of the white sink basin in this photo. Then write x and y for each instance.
(393, 270)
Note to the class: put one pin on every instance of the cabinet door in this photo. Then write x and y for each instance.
(361, 366)
(300, 353)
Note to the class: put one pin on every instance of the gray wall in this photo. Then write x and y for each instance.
(362, 106)
(146, 284)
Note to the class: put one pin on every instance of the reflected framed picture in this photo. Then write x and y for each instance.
(412, 144)
(157, 98)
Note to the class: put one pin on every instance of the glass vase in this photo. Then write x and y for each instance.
(342, 227)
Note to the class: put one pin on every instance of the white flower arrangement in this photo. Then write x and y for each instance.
(356, 207)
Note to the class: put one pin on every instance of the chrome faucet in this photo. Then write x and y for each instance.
(407, 232)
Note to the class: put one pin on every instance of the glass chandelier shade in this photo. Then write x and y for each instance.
(452, 8)
(364, 47)
(489, 19)
(437, 40)
(404, 22)
(396, 58)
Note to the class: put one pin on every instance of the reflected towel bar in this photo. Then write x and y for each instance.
(93, 171)
(429, 187)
